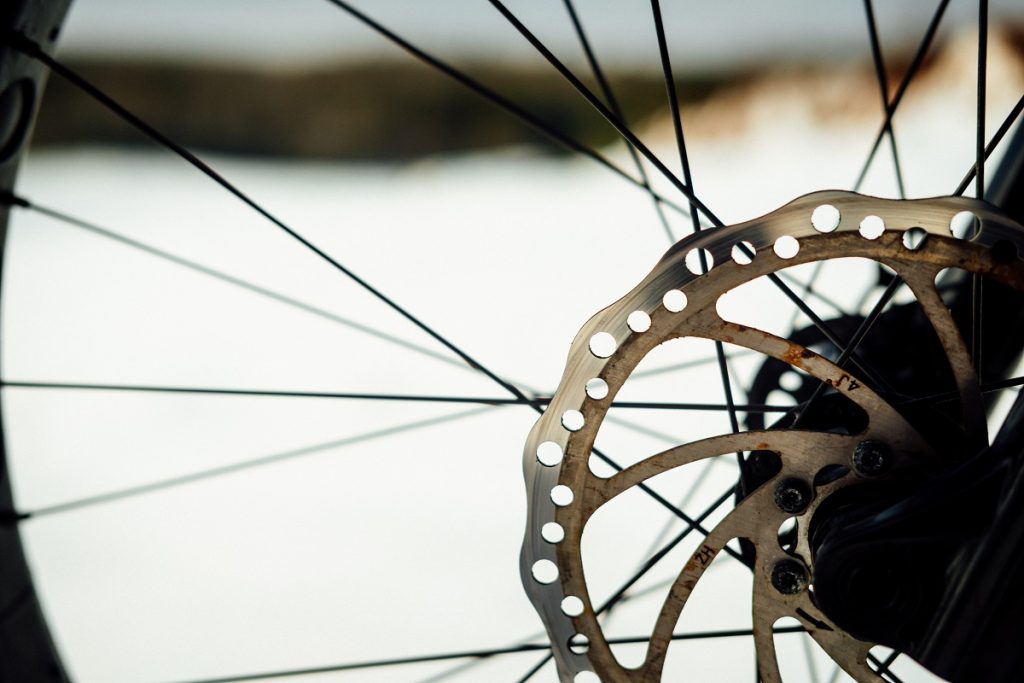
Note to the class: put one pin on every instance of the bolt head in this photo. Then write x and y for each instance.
(792, 495)
(789, 577)
(872, 458)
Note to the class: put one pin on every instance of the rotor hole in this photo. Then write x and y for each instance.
(639, 321)
(872, 227)
(965, 225)
(552, 532)
(544, 571)
(830, 473)
(786, 247)
(603, 344)
(573, 420)
(597, 388)
(914, 238)
(562, 495)
(825, 218)
(572, 606)
(586, 677)
(787, 535)
(699, 261)
(579, 644)
(674, 300)
(549, 454)
(743, 253)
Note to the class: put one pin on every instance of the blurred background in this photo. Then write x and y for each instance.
(289, 533)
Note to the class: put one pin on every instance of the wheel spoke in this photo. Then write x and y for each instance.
(858, 336)
(987, 388)
(535, 668)
(202, 475)
(649, 564)
(613, 104)
(379, 663)
(979, 140)
(1000, 133)
(673, 105)
(824, 328)
(503, 103)
(707, 635)
(915, 64)
(31, 49)
(585, 92)
(883, 668)
(197, 267)
(883, 88)
(684, 161)
(415, 398)
(977, 284)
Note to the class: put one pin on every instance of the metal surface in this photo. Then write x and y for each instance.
(993, 252)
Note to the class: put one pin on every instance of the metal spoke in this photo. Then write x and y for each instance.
(883, 88)
(202, 475)
(979, 176)
(585, 92)
(684, 160)
(732, 633)
(883, 668)
(824, 328)
(67, 219)
(662, 552)
(31, 49)
(1000, 133)
(613, 104)
(977, 284)
(858, 336)
(503, 103)
(533, 670)
(380, 663)
(419, 398)
(684, 501)
(673, 105)
(625, 132)
(901, 90)
(951, 395)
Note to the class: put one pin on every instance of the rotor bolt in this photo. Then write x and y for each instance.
(792, 495)
(789, 577)
(872, 458)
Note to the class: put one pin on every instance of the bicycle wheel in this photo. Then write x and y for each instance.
(773, 379)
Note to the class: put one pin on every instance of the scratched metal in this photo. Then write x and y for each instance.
(803, 453)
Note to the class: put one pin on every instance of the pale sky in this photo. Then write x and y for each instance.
(703, 34)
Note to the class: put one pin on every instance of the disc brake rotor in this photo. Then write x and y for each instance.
(672, 302)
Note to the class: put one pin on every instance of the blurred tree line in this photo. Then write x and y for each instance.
(374, 111)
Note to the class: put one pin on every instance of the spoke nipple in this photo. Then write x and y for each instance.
(789, 577)
(872, 458)
(792, 495)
